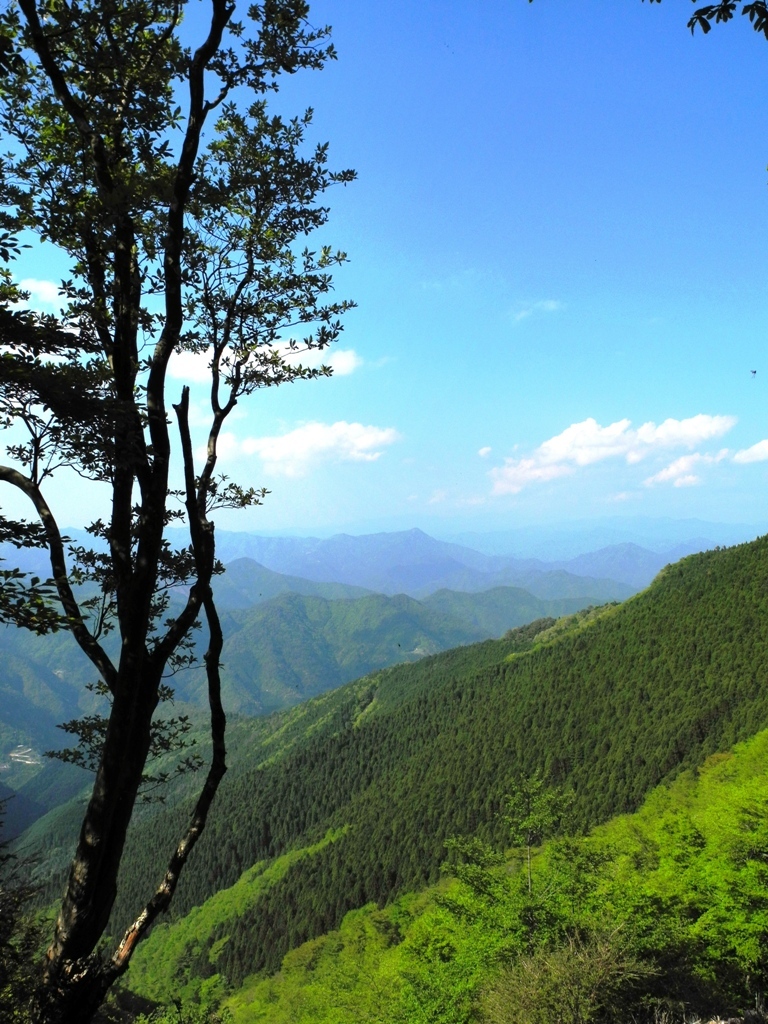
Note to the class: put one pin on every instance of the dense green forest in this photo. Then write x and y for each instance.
(347, 801)
(609, 703)
(665, 910)
(283, 645)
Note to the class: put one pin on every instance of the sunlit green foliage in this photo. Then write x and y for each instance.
(665, 908)
(180, 1014)
(180, 959)
(607, 705)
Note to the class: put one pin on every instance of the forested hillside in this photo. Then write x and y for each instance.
(659, 912)
(609, 703)
(279, 651)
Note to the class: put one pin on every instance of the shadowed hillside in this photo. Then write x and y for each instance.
(610, 702)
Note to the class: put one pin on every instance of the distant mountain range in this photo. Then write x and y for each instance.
(347, 800)
(304, 615)
(413, 563)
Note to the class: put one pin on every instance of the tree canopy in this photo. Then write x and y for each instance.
(142, 146)
(707, 15)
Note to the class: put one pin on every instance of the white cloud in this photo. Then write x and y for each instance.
(291, 454)
(680, 472)
(42, 294)
(227, 444)
(543, 306)
(342, 361)
(438, 497)
(677, 472)
(484, 452)
(681, 433)
(195, 367)
(518, 473)
(587, 442)
(757, 453)
(345, 361)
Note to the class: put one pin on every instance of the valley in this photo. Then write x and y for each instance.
(329, 833)
(383, 537)
(292, 637)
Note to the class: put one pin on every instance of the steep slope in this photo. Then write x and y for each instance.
(429, 955)
(612, 703)
(277, 652)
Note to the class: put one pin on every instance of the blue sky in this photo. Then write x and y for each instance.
(559, 253)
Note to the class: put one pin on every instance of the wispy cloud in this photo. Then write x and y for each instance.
(542, 306)
(757, 453)
(43, 295)
(485, 452)
(195, 367)
(587, 442)
(680, 473)
(292, 454)
(458, 280)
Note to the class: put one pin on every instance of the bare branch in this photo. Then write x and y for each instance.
(221, 14)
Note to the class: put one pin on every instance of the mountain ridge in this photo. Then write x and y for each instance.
(610, 702)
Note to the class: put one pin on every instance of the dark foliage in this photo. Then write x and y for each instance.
(415, 754)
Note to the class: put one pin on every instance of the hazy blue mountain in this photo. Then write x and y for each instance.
(628, 563)
(246, 583)
(566, 540)
(413, 563)
(33, 698)
(19, 812)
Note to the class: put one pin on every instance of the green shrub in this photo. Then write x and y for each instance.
(584, 980)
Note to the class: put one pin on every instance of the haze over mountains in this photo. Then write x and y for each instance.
(624, 551)
(411, 562)
(346, 800)
(305, 615)
(567, 540)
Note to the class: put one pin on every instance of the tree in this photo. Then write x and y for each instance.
(534, 810)
(19, 936)
(175, 241)
(704, 17)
